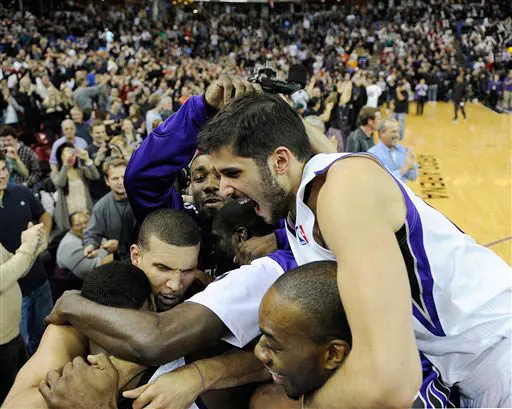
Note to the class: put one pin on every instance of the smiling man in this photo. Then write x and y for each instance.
(393, 251)
(305, 334)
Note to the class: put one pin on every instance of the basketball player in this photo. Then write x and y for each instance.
(393, 250)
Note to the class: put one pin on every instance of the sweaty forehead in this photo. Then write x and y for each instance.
(281, 317)
(202, 163)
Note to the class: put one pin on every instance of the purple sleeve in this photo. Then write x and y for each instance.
(282, 239)
(169, 148)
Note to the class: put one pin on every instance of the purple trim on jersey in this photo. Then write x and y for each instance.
(426, 314)
(433, 392)
(319, 172)
(285, 259)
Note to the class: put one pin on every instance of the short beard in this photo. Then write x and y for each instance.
(275, 195)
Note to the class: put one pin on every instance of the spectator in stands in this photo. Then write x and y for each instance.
(507, 91)
(399, 160)
(305, 338)
(112, 224)
(13, 267)
(69, 132)
(459, 96)
(162, 110)
(21, 160)
(362, 138)
(421, 96)
(494, 89)
(84, 94)
(18, 208)
(70, 253)
(11, 108)
(129, 134)
(82, 129)
(401, 105)
(69, 177)
(374, 92)
(99, 153)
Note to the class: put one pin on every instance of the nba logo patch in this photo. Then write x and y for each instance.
(301, 234)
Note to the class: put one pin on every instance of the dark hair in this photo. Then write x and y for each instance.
(58, 153)
(254, 125)
(171, 226)
(366, 114)
(97, 122)
(313, 287)
(70, 218)
(117, 284)
(7, 130)
(113, 163)
(234, 215)
(3, 158)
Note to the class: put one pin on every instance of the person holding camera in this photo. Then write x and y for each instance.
(69, 135)
(13, 267)
(74, 166)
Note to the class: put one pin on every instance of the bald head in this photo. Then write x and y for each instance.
(68, 129)
(313, 289)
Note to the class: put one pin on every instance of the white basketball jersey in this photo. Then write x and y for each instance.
(461, 291)
(169, 367)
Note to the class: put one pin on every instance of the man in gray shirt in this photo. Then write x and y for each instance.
(112, 224)
(70, 254)
(362, 138)
(84, 95)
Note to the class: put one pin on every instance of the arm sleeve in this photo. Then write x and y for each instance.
(153, 166)
(34, 171)
(235, 297)
(71, 256)
(91, 172)
(95, 229)
(60, 178)
(14, 267)
(352, 145)
(412, 174)
(282, 239)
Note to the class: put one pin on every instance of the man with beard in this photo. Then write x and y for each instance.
(152, 170)
(393, 249)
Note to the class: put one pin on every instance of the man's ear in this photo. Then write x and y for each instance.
(135, 254)
(241, 234)
(335, 354)
(282, 159)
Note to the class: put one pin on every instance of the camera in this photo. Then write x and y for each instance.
(266, 77)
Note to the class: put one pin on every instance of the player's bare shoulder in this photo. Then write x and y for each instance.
(362, 177)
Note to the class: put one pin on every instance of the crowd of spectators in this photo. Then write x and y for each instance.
(78, 97)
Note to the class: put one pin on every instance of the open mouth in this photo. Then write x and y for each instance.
(167, 300)
(278, 379)
(212, 201)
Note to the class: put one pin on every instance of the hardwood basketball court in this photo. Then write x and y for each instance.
(465, 170)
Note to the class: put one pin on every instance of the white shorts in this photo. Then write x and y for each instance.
(490, 384)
